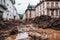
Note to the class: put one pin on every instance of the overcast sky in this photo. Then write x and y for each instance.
(21, 5)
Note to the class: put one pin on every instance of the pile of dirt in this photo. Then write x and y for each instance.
(8, 28)
(40, 33)
(56, 24)
(6, 25)
(45, 21)
(42, 18)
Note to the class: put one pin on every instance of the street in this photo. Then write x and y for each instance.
(39, 33)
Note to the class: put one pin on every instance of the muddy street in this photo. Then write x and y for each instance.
(29, 19)
(28, 32)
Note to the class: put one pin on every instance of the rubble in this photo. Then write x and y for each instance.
(45, 21)
(42, 28)
(39, 33)
(35, 33)
(8, 28)
(56, 24)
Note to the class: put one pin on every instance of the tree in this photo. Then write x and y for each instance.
(21, 16)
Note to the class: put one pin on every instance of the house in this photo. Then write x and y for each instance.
(30, 12)
(48, 7)
(15, 14)
(7, 9)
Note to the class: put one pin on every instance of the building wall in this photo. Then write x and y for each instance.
(16, 14)
(51, 8)
(24, 17)
(17, 17)
(29, 14)
(10, 12)
(37, 11)
(33, 14)
(55, 8)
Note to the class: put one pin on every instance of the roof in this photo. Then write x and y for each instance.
(39, 3)
(31, 7)
(43, 1)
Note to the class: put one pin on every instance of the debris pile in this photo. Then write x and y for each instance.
(56, 24)
(45, 21)
(8, 28)
(39, 33)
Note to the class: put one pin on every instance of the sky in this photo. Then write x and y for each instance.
(21, 5)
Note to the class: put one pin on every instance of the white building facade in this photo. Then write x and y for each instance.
(7, 9)
(29, 13)
(48, 7)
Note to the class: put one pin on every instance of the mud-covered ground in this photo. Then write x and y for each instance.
(35, 33)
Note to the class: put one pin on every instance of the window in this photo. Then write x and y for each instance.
(47, 12)
(47, 4)
(56, 4)
(52, 12)
(56, 12)
(30, 13)
(52, 4)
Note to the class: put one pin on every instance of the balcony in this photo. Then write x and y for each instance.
(53, 8)
(3, 6)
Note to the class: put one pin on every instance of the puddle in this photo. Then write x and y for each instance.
(21, 36)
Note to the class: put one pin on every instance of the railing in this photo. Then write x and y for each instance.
(53, 7)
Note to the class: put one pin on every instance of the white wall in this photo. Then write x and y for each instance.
(33, 14)
(10, 12)
(42, 8)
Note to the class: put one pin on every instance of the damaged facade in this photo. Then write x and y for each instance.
(46, 7)
(7, 9)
